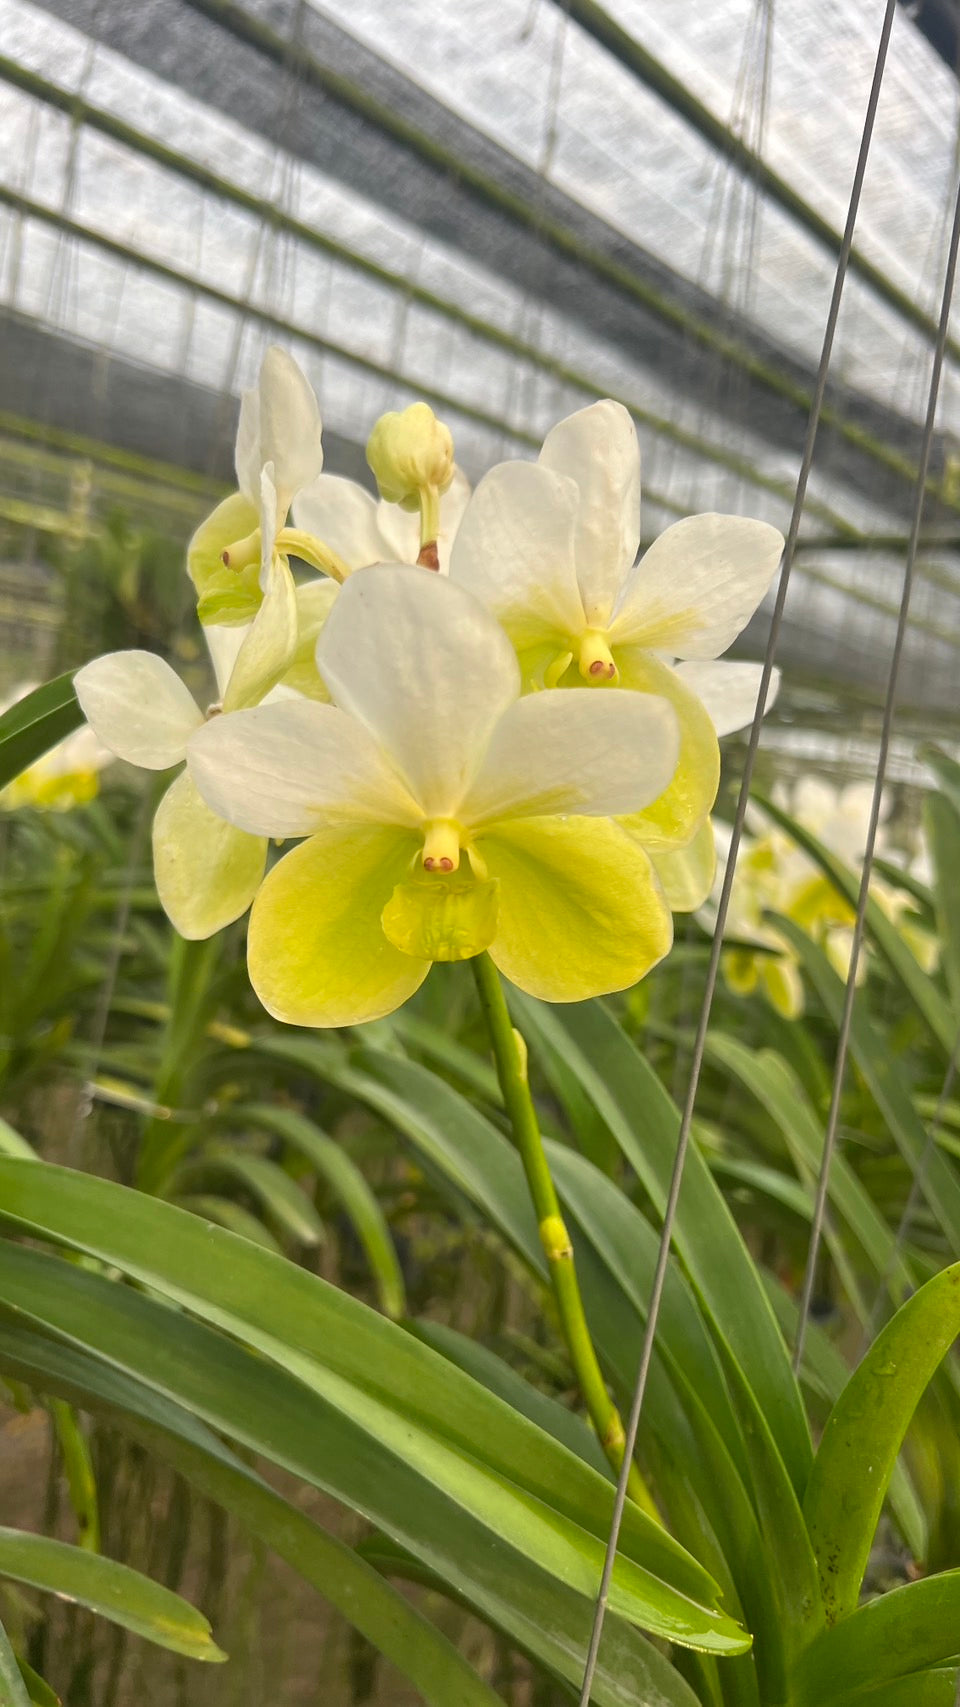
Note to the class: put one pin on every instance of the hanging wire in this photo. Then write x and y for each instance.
(683, 1137)
(886, 733)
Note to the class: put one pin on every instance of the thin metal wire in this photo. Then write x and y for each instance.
(886, 732)
(683, 1137)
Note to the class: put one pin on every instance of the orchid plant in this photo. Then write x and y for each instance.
(480, 730)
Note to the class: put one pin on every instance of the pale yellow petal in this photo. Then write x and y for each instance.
(686, 874)
(207, 873)
(675, 817)
(316, 950)
(581, 912)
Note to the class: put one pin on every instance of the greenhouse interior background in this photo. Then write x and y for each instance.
(506, 212)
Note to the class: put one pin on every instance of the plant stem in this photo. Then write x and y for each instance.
(510, 1055)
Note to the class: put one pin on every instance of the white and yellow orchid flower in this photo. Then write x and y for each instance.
(207, 872)
(550, 547)
(66, 776)
(444, 814)
(280, 431)
(362, 531)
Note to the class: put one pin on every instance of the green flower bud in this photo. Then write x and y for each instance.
(410, 453)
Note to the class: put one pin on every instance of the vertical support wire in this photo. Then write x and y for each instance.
(886, 733)
(683, 1137)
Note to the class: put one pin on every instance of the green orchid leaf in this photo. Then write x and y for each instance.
(41, 1695)
(375, 1388)
(887, 1641)
(113, 1590)
(35, 724)
(401, 1633)
(918, 985)
(864, 1432)
(281, 1199)
(226, 1213)
(886, 1084)
(13, 1688)
(348, 1185)
(941, 822)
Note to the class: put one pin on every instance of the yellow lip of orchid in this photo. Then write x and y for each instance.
(429, 753)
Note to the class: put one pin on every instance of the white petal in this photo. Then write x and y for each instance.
(287, 768)
(453, 508)
(426, 669)
(698, 585)
(728, 691)
(290, 428)
(247, 459)
(514, 551)
(597, 448)
(344, 516)
(223, 645)
(138, 707)
(589, 751)
(270, 523)
(268, 644)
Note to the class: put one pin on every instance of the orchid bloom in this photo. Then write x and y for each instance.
(207, 872)
(444, 814)
(362, 531)
(66, 776)
(550, 548)
(278, 435)
(775, 875)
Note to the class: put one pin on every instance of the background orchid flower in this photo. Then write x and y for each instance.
(444, 814)
(66, 776)
(550, 548)
(775, 875)
(206, 871)
(280, 431)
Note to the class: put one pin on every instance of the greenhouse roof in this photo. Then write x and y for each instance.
(507, 210)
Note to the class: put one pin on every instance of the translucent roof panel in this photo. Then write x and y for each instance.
(495, 209)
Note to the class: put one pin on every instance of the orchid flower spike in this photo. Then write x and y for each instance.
(207, 872)
(278, 452)
(444, 814)
(550, 548)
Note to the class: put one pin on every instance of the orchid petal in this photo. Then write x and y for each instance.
(314, 604)
(579, 750)
(223, 645)
(282, 769)
(426, 669)
(514, 551)
(138, 707)
(247, 459)
(290, 427)
(580, 914)
(673, 819)
(597, 449)
(269, 643)
(686, 874)
(728, 691)
(697, 586)
(316, 950)
(347, 519)
(207, 873)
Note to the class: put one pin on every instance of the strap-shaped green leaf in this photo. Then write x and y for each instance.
(395, 1627)
(368, 1377)
(910, 1630)
(13, 1690)
(35, 724)
(942, 824)
(110, 1589)
(864, 1432)
(886, 1083)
